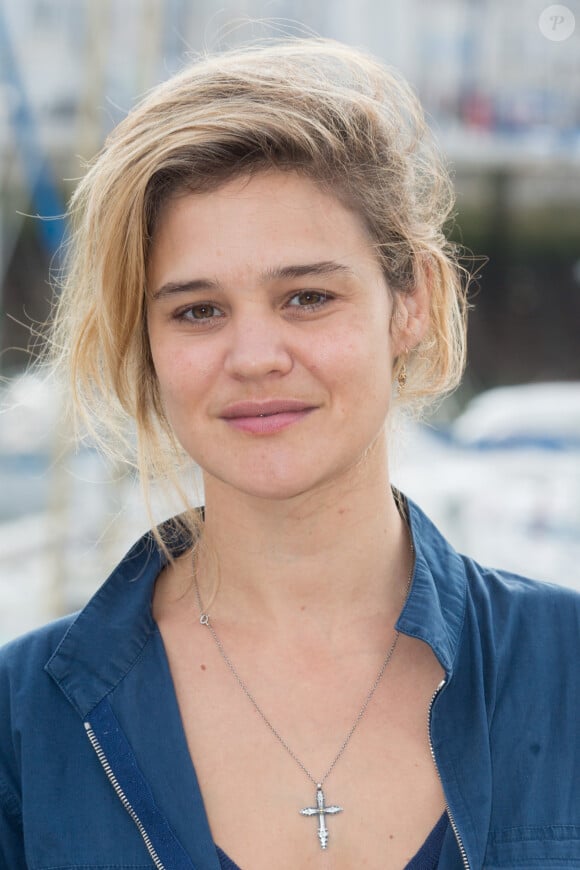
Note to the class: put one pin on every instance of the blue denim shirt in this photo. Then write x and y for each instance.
(95, 771)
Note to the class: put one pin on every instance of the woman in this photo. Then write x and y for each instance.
(304, 674)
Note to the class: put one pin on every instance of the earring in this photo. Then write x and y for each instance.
(402, 375)
(402, 378)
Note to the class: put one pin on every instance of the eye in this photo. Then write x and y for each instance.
(203, 311)
(308, 299)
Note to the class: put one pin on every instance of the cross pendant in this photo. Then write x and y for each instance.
(321, 810)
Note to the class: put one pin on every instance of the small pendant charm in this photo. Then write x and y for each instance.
(321, 810)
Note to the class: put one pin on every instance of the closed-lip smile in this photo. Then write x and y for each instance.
(265, 408)
(265, 417)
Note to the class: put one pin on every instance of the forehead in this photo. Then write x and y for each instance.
(256, 222)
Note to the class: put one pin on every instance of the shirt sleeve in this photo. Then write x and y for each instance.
(11, 835)
(12, 853)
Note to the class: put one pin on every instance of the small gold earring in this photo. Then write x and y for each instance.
(402, 375)
(402, 378)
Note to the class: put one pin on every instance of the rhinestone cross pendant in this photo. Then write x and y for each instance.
(321, 810)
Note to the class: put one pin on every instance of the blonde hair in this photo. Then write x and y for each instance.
(310, 105)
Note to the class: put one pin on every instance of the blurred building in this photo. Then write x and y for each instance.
(480, 64)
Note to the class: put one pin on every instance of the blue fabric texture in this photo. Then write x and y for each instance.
(427, 858)
(504, 727)
(156, 832)
(226, 862)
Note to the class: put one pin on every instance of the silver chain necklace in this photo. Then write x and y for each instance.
(321, 809)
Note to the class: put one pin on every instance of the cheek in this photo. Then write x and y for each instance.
(356, 369)
(363, 355)
(169, 371)
(370, 364)
(179, 371)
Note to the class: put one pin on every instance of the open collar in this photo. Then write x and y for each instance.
(107, 637)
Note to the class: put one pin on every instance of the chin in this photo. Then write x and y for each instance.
(269, 484)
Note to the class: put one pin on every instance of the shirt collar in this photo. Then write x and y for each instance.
(106, 638)
(435, 607)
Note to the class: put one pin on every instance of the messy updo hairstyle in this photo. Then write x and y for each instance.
(329, 112)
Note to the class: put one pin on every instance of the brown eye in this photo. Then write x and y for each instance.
(311, 298)
(202, 312)
(205, 312)
(308, 299)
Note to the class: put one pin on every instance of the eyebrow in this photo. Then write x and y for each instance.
(325, 267)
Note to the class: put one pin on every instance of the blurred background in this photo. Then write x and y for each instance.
(498, 465)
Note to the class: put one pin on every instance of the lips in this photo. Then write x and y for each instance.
(266, 408)
(266, 417)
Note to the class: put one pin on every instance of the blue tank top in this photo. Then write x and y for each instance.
(427, 858)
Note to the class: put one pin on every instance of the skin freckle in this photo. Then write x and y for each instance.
(203, 667)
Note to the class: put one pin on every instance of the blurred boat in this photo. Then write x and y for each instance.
(503, 481)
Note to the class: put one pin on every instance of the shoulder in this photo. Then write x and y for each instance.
(35, 643)
(22, 660)
(471, 613)
(115, 604)
(525, 626)
(28, 700)
(508, 595)
(495, 593)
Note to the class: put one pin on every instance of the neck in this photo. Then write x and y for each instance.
(335, 555)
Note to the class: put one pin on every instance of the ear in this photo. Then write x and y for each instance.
(412, 313)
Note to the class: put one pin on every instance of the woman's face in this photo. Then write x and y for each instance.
(269, 323)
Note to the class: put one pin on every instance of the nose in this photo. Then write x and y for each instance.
(257, 348)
